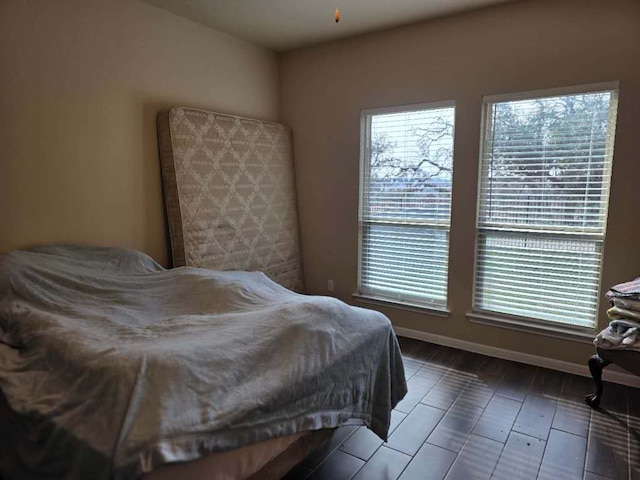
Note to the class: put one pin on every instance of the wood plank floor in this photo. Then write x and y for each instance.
(470, 417)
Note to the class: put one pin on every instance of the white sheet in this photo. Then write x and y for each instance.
(115, 366)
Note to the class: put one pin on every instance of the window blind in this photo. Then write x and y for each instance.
(405, 203)
(545, 172)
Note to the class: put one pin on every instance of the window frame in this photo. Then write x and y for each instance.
(551, 328)
(364, 168)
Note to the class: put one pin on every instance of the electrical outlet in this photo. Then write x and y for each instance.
(330, 285)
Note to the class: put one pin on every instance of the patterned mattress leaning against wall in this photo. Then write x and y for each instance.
(230, 194)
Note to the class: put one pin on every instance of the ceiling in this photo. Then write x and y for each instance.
(287, 24)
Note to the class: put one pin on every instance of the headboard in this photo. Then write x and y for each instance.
(229, 191)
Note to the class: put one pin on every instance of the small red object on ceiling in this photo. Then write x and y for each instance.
(336, 15)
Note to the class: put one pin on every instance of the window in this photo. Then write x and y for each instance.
(545, 170)
(405, 204)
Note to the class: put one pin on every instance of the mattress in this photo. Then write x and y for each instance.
(233, 465)
(268, 460)
(230, 194)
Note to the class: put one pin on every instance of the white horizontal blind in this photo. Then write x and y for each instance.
(544, 191)
(405, 204)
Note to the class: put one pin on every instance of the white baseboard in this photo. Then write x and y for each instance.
(560, 365)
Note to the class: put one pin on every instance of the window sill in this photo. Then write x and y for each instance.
(383, 302)
(563, 332)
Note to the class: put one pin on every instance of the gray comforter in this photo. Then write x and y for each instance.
(112, 365)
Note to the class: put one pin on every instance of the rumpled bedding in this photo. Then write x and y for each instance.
(619, 335)
(629, 290)
(112, 365)
(623, 332)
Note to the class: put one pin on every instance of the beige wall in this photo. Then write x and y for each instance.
(80, 84)
(82, 80)
(516, 47)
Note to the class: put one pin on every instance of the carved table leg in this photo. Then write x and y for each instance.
(596, 365)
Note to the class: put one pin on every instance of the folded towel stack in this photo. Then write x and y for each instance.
(623, 332)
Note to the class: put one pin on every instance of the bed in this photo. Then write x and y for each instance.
(112, 366)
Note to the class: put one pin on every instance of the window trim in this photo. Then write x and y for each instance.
(547, 328)
(521, 323)
(410, 107)
(365, 142)
(380, 301)
(550, 92)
